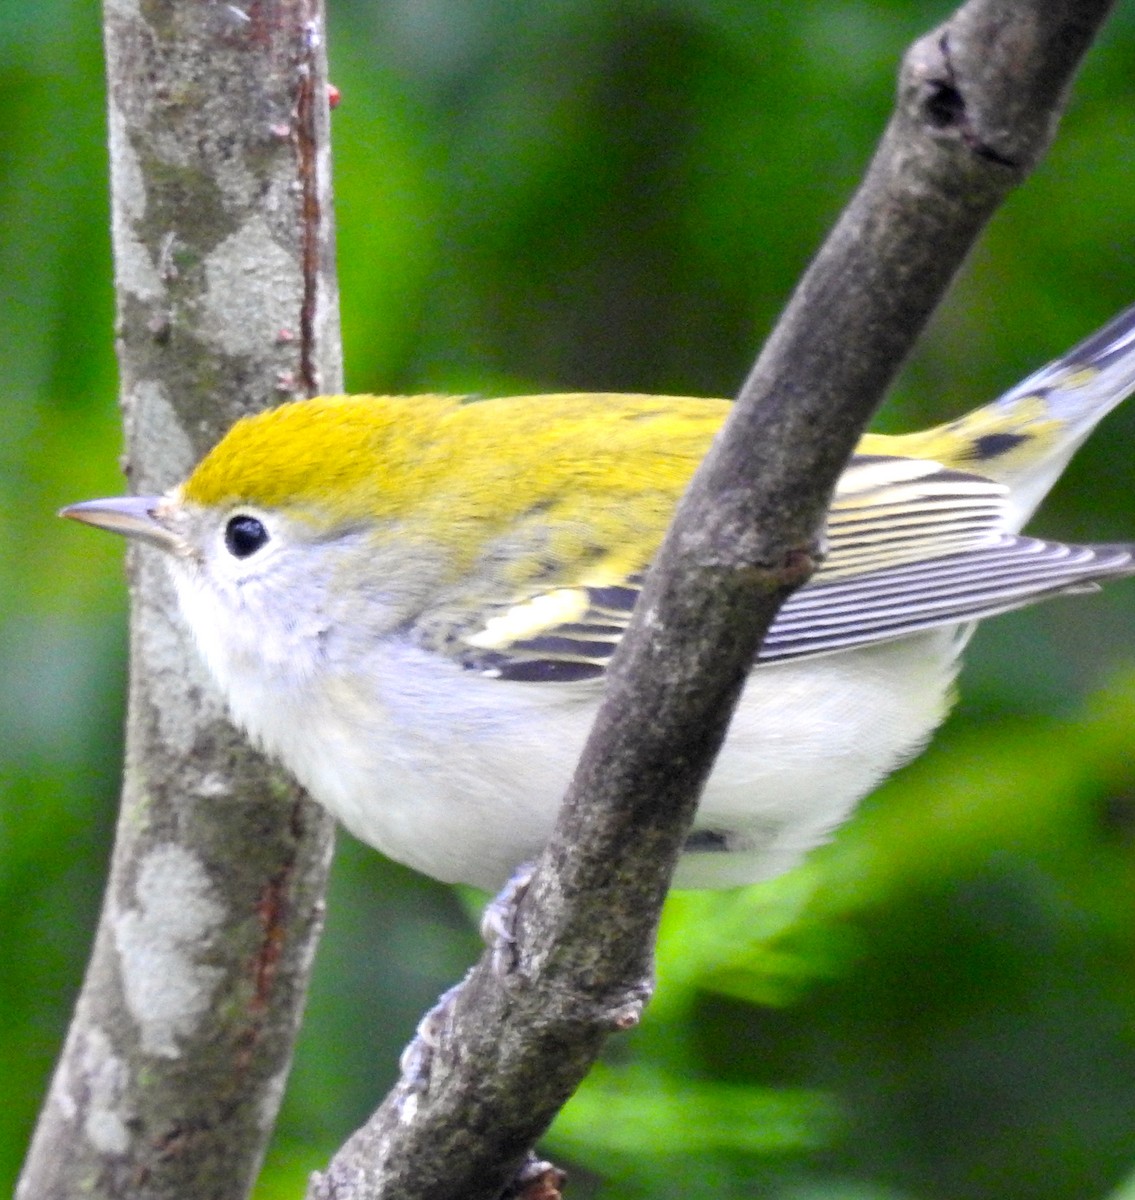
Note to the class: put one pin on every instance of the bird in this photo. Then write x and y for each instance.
(412, 601)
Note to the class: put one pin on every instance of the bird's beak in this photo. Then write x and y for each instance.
(138, 517)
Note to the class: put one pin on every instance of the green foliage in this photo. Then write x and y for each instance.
(938, 1006)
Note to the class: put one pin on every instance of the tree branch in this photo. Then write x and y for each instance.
(978, 102)
(176, 1058)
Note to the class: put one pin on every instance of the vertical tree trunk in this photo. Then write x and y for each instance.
(173, 1069)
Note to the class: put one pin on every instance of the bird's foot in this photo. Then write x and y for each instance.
(498, 923)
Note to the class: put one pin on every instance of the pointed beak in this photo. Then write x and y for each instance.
(134, 516)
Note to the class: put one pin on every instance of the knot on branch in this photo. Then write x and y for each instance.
(626, 1012)
(797, 566)
(791, 569)
(944, 105)
(940, 103)
(536, 1180)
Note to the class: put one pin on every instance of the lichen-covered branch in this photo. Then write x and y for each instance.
(174, 1066)
(978, 101)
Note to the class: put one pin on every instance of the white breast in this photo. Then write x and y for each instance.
(460, 776)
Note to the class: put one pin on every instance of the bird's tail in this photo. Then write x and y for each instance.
(1025, 438)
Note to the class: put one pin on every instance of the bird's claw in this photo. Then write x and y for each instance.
(498, 922)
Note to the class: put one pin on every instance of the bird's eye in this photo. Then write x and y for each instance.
(244, 535)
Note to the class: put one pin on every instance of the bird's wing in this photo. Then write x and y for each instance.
(1010, 573)
(911, 546)
(889, 511)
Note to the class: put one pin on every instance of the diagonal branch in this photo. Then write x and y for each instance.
(978, 102)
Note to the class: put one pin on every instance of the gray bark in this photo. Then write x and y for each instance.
(978, 102)
(175, 1063)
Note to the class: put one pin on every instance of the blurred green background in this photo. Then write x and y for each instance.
(619, 195)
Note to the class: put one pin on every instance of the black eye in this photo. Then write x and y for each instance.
(244, 535)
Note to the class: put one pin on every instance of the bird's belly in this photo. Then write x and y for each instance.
(460, 776)
(808, 741)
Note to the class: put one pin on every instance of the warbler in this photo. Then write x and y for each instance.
(411, 601)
